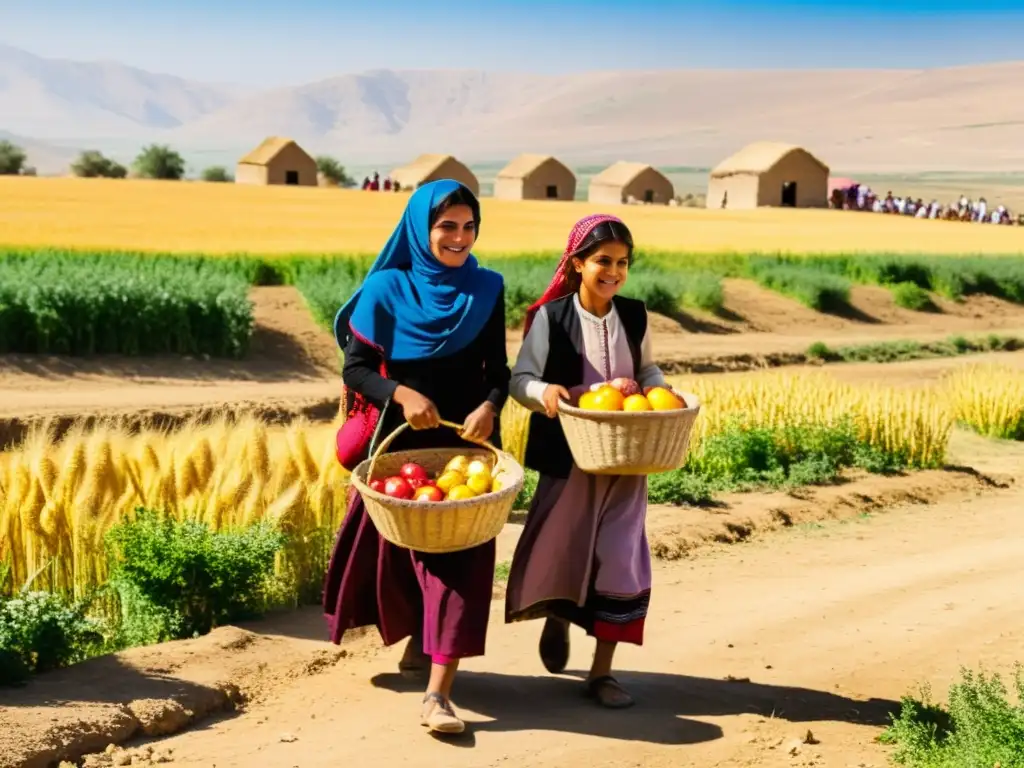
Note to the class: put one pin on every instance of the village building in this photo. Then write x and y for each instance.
(768, 173)
(429, 167)
(535, 177)
(277, 160)
(630, 182)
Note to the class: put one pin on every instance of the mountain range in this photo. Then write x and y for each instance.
(953, 119)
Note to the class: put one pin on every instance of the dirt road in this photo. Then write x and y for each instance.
(831, 624)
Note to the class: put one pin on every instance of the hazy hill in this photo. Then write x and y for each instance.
(965, 118)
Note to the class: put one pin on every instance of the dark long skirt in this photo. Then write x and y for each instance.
(372, 582)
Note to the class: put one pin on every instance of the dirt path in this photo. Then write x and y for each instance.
(875, 584)
(747, 648)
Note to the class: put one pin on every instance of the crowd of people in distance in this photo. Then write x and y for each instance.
(860, 197)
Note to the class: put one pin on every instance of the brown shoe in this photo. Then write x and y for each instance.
(439, 716)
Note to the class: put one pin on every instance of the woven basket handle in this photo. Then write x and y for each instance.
(405, 425)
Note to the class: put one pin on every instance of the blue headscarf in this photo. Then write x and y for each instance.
(410, 304)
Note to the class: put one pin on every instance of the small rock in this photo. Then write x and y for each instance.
(809, 738)
(794, 748)
(288, 738)
(161, 757)
(122, 758)
(111, 749)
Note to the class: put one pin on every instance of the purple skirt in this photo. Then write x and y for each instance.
(446, 598)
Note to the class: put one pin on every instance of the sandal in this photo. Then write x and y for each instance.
(439, 716)
(554, 645)
(608, 693)
(414, 662)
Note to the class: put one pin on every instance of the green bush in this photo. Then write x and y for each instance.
(72, 306)
(813, 288)
(980, 727)
(912, 296)
(40, 632)
(177, 579)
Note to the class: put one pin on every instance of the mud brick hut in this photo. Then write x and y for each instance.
(535, 177)
(768, 173)
(623, 182)
(427, 168)
(278, 160)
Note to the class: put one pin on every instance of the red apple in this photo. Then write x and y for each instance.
(429, 493)
(416, 482)
(413, 471)
(398, 488)
(377, 485)
(626, 386)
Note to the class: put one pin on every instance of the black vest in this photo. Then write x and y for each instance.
(547, 451)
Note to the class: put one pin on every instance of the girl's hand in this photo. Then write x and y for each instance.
(552, 394)
(419, 411)
(479, 425)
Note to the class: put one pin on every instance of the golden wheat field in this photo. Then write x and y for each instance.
(989, 399)
(228, 218)
(59, 498)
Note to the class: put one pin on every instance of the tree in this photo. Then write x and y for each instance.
(158, 161)
(217, 173)
(12, 159)
(92, 164)
(333, 170)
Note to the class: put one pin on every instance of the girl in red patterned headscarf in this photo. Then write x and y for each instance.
(583, 557)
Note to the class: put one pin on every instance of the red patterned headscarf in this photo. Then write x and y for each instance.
(559, 286)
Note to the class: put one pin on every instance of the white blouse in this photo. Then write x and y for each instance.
(606, 348)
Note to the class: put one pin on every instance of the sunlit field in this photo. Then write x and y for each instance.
(228, 218)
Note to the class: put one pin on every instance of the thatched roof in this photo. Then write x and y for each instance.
(423, 166)
(620, 174)
(758, 158)
(268, 149)
(523, 166)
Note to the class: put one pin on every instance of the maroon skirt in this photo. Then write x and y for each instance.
(446, 598)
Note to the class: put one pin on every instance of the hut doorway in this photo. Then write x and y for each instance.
(789, 194)
(552, 192)
(649, 196)
(291, 177)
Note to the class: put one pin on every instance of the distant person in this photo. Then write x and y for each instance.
(366, 183)
(397, 187)
(387, 183)
(375, 183)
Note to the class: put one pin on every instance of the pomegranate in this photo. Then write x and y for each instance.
(626, 386)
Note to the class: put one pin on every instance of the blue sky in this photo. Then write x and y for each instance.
(292, 41)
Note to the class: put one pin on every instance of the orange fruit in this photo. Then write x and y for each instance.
(663, 400)
(608, 398)
(636, 403)
(587, 401)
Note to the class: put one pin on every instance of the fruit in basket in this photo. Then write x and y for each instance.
(662, 399)
(478, 467)
(636, 402)
(458, 464)
(479, 483)
(460, 492)
(626, 386)
(398, 487)
(449, 479)
(377, 485)
(428, 493)
(417, 482)
(413, 471)
(608, 398)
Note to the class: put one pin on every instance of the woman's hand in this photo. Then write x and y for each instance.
(419, 411)
(479, 425)
(552, 394)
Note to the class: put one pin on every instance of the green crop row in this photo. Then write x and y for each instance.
(63, 304)
(134, 303)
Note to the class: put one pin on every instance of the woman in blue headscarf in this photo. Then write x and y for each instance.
(424, 339)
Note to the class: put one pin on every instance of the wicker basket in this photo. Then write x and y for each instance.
(629, 442)
(444, 526)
